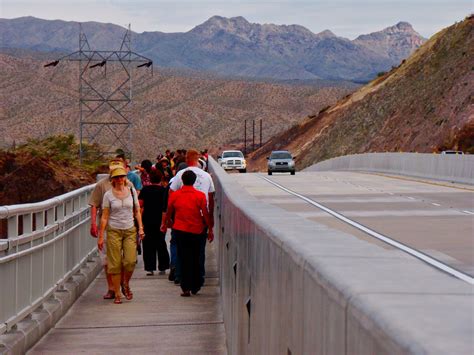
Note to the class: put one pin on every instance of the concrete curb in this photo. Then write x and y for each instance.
(30, 330)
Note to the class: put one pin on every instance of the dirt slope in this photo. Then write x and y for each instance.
(424, 105)
(43, 169)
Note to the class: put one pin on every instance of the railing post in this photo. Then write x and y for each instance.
(39, 225)
(12, 227)
(28, 229)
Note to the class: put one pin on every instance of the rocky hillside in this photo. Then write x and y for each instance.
(233, 46)
(169, 110)
(424, 105)
(43, 169)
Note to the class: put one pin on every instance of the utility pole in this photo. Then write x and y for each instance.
(105, 105)
(253, 136)
(245, 137)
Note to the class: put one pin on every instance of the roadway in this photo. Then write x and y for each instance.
(432, 217)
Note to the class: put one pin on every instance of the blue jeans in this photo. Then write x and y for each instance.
(174, 255)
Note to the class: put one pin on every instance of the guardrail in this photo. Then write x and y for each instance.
(293, 286)
(457, 168)
(44, 244)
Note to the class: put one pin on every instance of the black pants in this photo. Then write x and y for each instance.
(153, 244)
(189, 245)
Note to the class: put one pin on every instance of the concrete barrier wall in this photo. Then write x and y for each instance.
(291, 286)
(449, 167)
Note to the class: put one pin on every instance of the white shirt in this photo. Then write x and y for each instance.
(121, 211)
(203, 182)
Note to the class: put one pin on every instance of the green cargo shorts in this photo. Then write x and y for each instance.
(121, 249)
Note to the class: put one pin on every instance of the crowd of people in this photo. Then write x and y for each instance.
(132, 209)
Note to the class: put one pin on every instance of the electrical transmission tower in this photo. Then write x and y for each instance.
(105, 99)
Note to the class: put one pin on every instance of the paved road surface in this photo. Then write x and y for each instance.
(436, 218)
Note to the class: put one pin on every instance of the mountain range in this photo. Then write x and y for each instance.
(233, 47)
(423, 105)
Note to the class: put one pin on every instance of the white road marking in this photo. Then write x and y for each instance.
(411, 198)
(394, 213)
(427, 259)
(469, 212)
(435, 204)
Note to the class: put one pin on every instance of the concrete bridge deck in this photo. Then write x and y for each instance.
(156, 321)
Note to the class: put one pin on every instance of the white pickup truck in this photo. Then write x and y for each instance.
(232, 160)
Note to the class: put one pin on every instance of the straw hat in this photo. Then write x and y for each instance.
(114, 164)
(119, 171)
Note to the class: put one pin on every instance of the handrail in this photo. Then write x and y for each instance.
(43, 244)
(9, 210)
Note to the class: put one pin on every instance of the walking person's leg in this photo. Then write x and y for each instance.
(185, 256)
(202, 255)
(149, 253)
(114, 260)
(110, 295)
(129, 246)
(195, 253)
(177, 262)
(163, 256)
(173, 256)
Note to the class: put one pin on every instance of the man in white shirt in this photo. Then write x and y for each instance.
(204, 184)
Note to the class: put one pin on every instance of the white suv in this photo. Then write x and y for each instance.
(232, 160)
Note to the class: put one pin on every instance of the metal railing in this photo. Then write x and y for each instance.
(43, 244)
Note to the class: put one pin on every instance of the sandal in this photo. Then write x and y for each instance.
(127, 292)
(117, 300)
(110, 295)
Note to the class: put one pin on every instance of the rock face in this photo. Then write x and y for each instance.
(396, 42)
(424, 105)
(233, 46)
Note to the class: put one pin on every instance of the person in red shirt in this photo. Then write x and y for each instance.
(188, 217)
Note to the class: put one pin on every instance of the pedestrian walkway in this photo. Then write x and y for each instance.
(156, 321)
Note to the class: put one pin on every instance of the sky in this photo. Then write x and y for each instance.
(343, 17)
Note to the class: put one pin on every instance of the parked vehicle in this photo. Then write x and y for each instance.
(233, 160)
(281, 161)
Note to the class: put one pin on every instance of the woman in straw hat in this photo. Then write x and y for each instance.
(120, 206)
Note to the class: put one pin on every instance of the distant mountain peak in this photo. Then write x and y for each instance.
(219, 23)
(400, 30)
(401, 27)
(225, 20)
(240, 26)
(326, 34)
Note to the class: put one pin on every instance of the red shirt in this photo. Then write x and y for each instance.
(187, 207)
